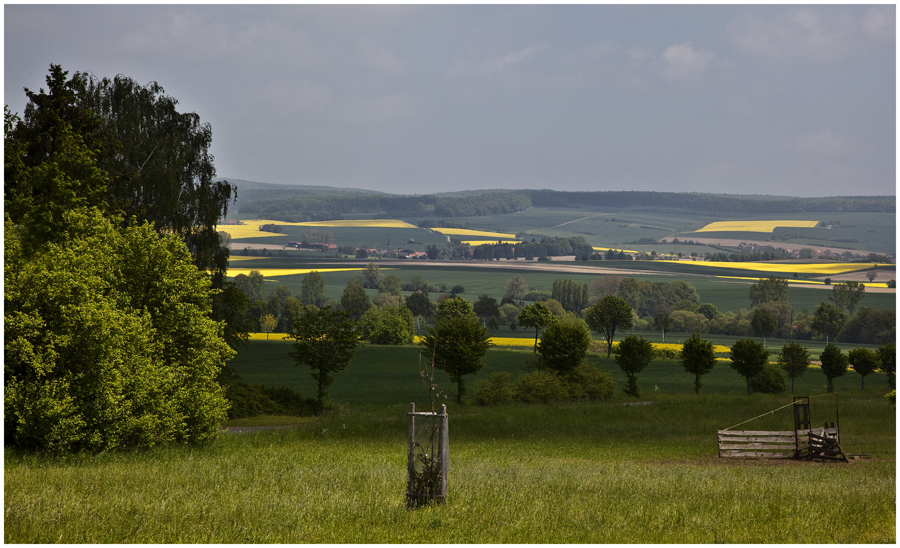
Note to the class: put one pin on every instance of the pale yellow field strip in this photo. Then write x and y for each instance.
(246, 258)
(608, 248)
(873, 285)
(272, 272)
(476, 233)
(476, 243)
(754, 226)
(250, 228)
(806, 268)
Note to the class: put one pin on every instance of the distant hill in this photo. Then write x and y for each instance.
(293, 203)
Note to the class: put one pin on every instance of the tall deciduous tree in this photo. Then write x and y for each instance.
(516, 288)
(457, 343)
(865, 362)
(609, 315)
(538, 316)
(632, 356)
(887, 353)
(354, 299)
(834, 364)
(325, 340)
(828, 321)
(748, 358)
(157, 164)
(109, 342)
(565, 344)
(698, 357)
(486, 307)
(772, 289)
(763, 322)
(794, 359)
(847, 296)
(312, 289)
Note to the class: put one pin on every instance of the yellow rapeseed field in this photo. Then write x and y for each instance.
(803, 268)
(271, 272)
(754, 226)
(250, 229)
(475, 233)
(476, 243)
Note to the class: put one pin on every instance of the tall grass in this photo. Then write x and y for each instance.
(586, 472)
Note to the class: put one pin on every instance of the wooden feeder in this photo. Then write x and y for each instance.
(429, 456)
(803, 442)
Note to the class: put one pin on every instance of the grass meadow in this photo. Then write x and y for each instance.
(575, 472)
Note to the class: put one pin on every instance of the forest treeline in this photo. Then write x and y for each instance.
(302, 204)
(326, 205)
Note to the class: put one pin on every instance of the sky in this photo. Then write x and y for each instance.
(416, 99)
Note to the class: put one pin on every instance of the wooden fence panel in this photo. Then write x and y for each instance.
(757, 444)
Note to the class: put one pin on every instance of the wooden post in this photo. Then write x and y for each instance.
(444, 451)
(411, 458)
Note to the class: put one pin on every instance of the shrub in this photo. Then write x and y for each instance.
(769, 381)
(495, 390)
(539, 386)
(589, 382)
(250, 400)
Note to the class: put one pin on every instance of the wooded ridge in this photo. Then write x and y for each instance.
(305, 203)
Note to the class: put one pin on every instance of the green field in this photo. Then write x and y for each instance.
(585, 472)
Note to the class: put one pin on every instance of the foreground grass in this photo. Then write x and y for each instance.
(578, 472)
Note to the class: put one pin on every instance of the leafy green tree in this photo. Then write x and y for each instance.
(763, 322)
(794, 359)
(607, 316)
(108, 340)
(354, 299)
(572, 295)
(486, 307)
(457, 342)
(698, 357)
(390, 284)
(870, 326)
(663, 320)
(516, 288)
(772, 289)
(252, 285)
(564, 345)
(887, 353)
(371, 276)
(748, 358)
(633, 355)
(828, 321)
(834, 364)
(312, 289)
(432, 251)
(847, 296)
(325, 340)
(391, 325)
(709, 310)
(538, 316)
(267, 324)
(420, 306)
(865, 362)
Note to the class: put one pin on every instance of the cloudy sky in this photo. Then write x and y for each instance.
(411, 99)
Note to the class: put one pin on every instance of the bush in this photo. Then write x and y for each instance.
(589, 382)
(250, 400)
(495, 390)
(769, 381)
(539, 386)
